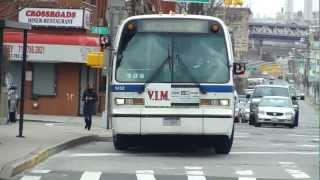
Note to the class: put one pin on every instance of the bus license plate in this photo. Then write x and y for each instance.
(171, 121)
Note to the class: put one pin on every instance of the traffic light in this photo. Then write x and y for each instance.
(104, 41)
(233, 2)
(237, 2)
(228, 2)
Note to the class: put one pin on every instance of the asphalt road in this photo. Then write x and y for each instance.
(267, 152)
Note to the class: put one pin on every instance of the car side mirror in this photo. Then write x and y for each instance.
(294, 98)
(301, 97)
(239, 68)
(248, 96)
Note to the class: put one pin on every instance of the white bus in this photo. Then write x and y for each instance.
(173, 77)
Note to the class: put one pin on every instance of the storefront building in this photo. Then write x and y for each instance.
(57, 47)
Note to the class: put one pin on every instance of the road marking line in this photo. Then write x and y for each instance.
(244, 172)
(145, 175)
(297, 174)
(308, 145)
(247, 178)
(286, 163)
(302, 135)
(243, 133)
(90, 175)
(193, 167)
(95, 154)
(40, 171)
(241, 136)
(277, 144)
(30, 178)
(289, 152)
(195, 173)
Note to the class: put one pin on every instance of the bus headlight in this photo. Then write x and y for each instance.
(215, 102)
(119, 101)
(129, 101)
(224, 102)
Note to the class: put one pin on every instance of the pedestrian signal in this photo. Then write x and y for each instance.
(104, 41)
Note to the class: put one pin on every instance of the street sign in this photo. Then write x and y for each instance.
(99, 30)
(193, 1)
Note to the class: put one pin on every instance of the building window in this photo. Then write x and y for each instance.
(44, 79)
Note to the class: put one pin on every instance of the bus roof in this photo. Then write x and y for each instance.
(177, 16)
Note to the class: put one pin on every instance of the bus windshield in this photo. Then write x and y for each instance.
(173, 57)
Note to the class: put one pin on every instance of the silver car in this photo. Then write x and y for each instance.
(275, 110)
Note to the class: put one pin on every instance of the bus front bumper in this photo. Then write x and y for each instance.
(191, 122)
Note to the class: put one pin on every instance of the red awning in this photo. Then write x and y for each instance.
(36, 38)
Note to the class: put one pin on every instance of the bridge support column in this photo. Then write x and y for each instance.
(260, 48)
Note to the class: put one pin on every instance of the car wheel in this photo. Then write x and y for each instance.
(291, 126)
(223, 144)
(119, 142)
(296, 120)
(251, 119)
(257, 124)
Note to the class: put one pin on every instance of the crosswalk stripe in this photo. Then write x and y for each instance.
(194, 173)
(297, 174)
(193, 167)
(145, 175)
(196, 178)
(89, 175)
(244, 172)
(247, 178)
(30, 178)
(40, 171)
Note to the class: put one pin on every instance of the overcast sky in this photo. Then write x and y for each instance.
(269, 8)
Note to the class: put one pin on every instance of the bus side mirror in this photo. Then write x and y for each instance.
(239, 68)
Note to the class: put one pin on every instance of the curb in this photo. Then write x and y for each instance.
(18, 166)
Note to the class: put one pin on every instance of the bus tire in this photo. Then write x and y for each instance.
(119, 142)
(224, 144)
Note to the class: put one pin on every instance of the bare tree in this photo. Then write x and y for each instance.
(205, 9)
(213, 6)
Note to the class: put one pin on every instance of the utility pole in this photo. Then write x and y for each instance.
(115, 14)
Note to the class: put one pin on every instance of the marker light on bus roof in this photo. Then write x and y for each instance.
(215, 28)
(131, 26)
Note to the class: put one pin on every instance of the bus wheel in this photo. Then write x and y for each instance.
(119, 142)
(224, 144)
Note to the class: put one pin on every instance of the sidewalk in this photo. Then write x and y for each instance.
(44, 136)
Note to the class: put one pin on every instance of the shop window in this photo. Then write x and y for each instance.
(44, 79)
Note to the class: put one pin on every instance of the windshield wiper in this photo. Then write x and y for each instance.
(193, 79)
(156, 73)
